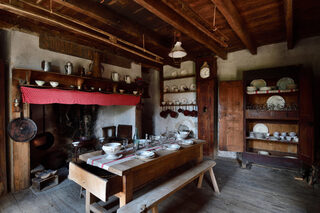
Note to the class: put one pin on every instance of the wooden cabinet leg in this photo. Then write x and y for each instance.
(90, 198)
(214, 182)
(127, 190)
(155, 209)
(200, 181)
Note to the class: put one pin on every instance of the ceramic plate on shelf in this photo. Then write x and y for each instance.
(276, 102)
(260, 128)
(174, 74)
(284, 82)
(258, 83)
(192, 87)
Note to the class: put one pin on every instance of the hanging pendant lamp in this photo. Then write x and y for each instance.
(177, 51)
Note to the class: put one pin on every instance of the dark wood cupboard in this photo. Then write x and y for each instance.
(296, 116)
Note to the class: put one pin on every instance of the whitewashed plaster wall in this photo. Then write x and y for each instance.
(171, 124)
(25, 53)
(305, 52)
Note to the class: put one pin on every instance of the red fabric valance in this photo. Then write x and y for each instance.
(50, 96)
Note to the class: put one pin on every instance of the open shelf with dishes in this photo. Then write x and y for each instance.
(274, 102)
(178, 87)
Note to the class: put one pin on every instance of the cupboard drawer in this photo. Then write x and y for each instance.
(99, 182)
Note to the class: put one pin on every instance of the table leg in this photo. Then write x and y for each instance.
(90, 198)
(127, 190)
(200, 158)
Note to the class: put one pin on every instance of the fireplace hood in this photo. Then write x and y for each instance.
(58, 96)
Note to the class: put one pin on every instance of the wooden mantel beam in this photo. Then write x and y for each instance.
(231, 14)
(170, 16)
(288, 11)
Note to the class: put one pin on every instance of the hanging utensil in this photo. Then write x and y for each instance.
(22, 129)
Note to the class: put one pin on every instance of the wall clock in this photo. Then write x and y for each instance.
(205, 70)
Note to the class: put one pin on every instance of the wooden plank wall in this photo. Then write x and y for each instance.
(3, 168)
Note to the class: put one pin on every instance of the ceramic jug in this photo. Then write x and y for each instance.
(115, 76)
(68, 68)
(127, 79)
(45, 65)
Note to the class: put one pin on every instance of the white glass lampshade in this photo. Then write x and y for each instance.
(177, 51)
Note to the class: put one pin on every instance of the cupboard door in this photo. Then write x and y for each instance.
(231, 116)
(207, 107)
(306, 119)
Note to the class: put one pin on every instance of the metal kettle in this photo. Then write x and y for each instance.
(68, 68)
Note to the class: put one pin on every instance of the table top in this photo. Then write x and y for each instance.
(135, 164)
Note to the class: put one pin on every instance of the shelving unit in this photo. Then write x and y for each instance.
(65, 81)
(280, 121)
(175, 96)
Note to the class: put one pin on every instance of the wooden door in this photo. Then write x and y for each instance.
(230, 112)
(306, 119)
(3, 171)
(206, 99)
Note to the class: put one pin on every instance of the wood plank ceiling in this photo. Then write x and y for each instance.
(143, 30)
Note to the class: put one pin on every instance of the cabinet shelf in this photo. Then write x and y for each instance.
(179, 77)
(272, 141)
(272, 115)
(272, 92)
(167, 105)
(190, 91)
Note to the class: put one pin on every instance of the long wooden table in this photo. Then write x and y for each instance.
(132, 174)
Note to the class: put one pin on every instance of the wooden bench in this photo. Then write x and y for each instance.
(151, 199)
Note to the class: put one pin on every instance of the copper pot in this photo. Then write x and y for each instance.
(43, 141)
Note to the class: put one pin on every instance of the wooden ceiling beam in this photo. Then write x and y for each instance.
(112, 19)
(186, 12)
(288, 11)
(164, 12)
(50, 20)
(231, 14)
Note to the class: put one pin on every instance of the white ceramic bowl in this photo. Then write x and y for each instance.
(54, 83)
(288, 138)
(39, 82)
(163, 103)
(251, 88)
(111, 148)
(264, 88)
(121, 91)
(183, 134)
(292, 134)
(135, 92)
(283, 133)
(259, 135)
(276, 134)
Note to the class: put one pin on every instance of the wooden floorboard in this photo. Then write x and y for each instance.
(259, 189)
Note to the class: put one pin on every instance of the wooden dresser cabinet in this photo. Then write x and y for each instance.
(240, 111)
